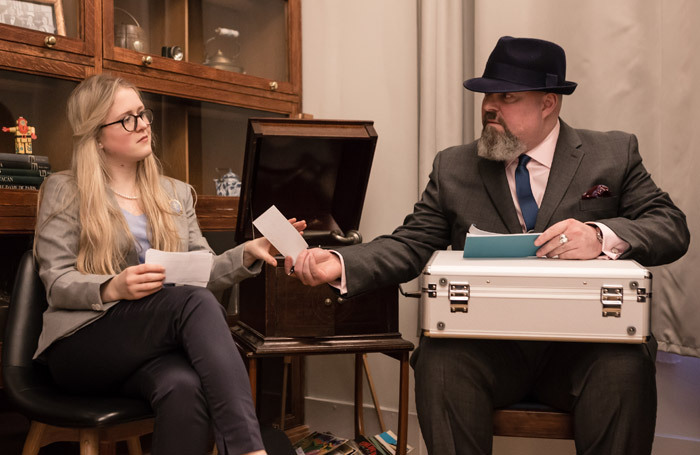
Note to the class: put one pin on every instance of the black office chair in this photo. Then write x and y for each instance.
(97, 422)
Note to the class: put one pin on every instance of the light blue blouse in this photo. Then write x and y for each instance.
(138, 225)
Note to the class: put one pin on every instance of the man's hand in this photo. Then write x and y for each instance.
(134, 283)
(314, 266)
(569, 239)
(262, 249)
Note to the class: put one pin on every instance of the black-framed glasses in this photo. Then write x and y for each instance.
(130, 121)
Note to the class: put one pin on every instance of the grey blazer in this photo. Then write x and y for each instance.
(465, 189)
(74, 298)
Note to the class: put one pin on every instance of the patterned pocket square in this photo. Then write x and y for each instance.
(596, 192)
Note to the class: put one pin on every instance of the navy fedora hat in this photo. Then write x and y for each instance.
(523, 64)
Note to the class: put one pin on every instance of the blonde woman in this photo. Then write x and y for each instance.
(112, 326)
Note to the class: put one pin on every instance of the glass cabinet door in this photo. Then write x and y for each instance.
(198, 142)
(59, 25)
(244, 36)
(27, 95)
(233, 43)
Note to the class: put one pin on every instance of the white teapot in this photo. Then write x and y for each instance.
(228, 185)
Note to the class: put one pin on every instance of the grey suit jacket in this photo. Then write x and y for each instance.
(74, 298)
(465, 189)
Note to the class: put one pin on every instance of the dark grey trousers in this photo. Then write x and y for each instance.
(610, 388)
(175, 350)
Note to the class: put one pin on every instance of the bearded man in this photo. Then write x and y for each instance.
(589, 195)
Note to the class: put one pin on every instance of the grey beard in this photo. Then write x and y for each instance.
(497, 146)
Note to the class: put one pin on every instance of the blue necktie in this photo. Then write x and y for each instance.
(528, 206)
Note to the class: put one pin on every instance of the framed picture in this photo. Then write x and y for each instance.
(41, 15)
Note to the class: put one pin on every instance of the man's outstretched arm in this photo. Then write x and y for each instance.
(315, 266)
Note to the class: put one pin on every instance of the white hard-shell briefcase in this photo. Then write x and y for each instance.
(535, 299)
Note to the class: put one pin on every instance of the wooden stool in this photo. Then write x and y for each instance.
(533, 420)
(253, 347)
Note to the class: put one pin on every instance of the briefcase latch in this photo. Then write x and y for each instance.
(459, 297)
(611, 298)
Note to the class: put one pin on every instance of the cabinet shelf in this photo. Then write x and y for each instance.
(209, 88)
(55, 65)
(18, 212)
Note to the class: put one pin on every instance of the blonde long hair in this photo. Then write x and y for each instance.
(105, 237)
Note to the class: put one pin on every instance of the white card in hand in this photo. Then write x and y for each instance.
(191, 267)
(280, 232)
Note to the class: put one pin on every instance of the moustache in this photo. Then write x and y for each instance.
(491, 117)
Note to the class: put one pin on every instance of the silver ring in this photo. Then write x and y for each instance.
(563, 239)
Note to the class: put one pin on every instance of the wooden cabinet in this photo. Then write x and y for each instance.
(240, 59)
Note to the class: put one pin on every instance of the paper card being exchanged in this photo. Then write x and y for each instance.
(191, 267)
(280, 232)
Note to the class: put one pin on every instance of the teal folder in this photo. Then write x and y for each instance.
(500, 245)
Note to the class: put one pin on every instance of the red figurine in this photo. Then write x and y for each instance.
(23, 136)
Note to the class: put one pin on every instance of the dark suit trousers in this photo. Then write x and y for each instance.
(610, 388)
(175, 350)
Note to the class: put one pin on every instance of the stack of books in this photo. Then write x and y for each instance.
(328, 444)
(385, 443)
(23, 172)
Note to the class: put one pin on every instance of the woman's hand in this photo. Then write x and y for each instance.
(134, 282)
(262, 249)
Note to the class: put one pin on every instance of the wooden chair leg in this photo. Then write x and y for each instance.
(359, 414)
(93, 441)
(285, 377)
(403, 406)
(253, 377)
(89, 441)
(134, 446)
(373, 392)
(33, 442)
(107, 448)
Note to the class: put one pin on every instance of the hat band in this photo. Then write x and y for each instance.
(522, 76)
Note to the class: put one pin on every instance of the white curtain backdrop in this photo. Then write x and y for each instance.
(446, 52)
(636, 65)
